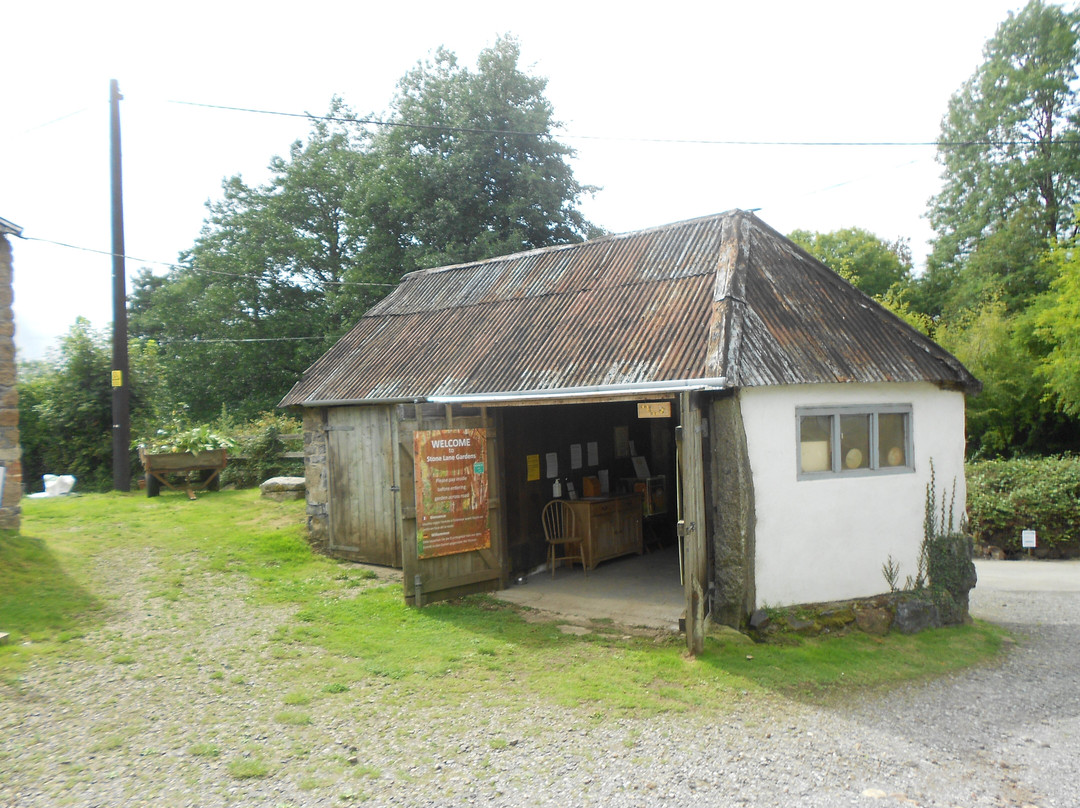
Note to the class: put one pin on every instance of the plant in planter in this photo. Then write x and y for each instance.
(195, 452)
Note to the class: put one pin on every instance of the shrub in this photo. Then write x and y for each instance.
(1007, 496)
(258, 449)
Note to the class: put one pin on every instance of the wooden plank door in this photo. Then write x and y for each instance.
(362, 497)
(427, 580)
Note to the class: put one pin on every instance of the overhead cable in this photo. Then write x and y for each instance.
(950, 144)
(184, 266)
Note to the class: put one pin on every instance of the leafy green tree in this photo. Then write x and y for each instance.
(471, 168)
(467, 169)
(65, 407)
(1058, 321)
(1010, 150)
(870, 263)
(270, 283)
(1011, 416)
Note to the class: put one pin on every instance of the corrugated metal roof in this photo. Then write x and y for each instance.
(720, 296)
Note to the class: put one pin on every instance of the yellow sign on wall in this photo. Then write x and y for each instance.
(654, 409)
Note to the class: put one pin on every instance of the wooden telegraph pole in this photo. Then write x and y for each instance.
(121, 415)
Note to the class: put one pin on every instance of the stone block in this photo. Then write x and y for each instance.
(759, 620)
(283, 488)
(727, 634)
(874, 620)
(915, 615)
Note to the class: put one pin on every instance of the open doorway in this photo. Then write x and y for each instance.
(597, 452)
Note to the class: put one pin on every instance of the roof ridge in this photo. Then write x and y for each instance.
(558, 247)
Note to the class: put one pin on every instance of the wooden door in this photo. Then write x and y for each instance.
(362, 497)
(427, 580)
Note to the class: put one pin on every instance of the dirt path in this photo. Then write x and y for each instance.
(179, 697)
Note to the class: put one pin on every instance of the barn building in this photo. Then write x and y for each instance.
(706, 383)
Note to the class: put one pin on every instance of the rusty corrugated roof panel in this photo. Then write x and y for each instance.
(721, 296)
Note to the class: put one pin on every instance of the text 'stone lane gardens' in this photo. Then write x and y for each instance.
(451, 491)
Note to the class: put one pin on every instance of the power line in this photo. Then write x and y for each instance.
(183, 266)
(236, 339)
(950, 144)
(55, 120)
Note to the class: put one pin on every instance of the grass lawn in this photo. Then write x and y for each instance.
(355, 628)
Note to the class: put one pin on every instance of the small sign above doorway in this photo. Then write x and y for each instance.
(654, 409)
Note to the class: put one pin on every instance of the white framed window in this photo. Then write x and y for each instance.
(853, 440)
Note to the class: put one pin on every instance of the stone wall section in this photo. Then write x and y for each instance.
(10, 450)
(317, 478)
(730, 500)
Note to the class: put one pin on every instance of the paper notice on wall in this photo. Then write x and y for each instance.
(605, 481)
(532, 463)
(641, 467)
(575, 455)
(552, 463)
(622, 441)
(594, 453)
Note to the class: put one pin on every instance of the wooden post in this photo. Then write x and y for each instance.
(695, 556)
(121, 417)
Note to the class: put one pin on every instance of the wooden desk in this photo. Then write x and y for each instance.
(610, 526)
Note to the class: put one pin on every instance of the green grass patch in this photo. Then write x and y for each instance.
(248, 768)
(207, 750)
(820, 668)
(293, 718)
(433, 658)
(41, 604)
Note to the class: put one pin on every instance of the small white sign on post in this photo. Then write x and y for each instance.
(1027, 538)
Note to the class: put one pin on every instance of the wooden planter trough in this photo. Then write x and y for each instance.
(160, 466)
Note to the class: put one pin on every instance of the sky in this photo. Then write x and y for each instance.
(627, 83)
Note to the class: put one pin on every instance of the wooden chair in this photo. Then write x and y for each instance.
(563, 541)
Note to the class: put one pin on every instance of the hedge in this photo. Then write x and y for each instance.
(1006, 497)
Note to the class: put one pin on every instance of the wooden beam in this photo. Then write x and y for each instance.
(695, 557)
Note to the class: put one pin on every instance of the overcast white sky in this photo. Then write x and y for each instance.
(831, 70)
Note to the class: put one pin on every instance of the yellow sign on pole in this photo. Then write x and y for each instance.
(118, 378)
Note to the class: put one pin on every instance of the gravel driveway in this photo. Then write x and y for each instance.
(98, 733)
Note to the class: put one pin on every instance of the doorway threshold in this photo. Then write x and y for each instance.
(634, 591)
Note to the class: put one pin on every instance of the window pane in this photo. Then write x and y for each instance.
(892, 440)
(855, 441)
(815, 451)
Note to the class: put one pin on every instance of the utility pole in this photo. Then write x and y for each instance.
(121, 415)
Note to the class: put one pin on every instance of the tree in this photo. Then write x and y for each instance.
(467, 169)
(868, 262)
(271, 282)
(65, 407)
(1010, 151)
(1058, 321)
(470, 169)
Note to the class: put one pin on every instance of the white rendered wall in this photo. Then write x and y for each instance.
(826, 539)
